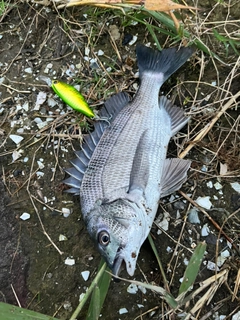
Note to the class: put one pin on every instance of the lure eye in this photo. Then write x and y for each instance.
(55, 82)
(104, 238)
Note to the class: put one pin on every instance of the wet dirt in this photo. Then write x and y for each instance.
(35, 41)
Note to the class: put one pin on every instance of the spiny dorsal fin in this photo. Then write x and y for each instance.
(109, 112)
(114, 105)
(174, 175)
(178, 118)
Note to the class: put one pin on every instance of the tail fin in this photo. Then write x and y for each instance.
(166, 61)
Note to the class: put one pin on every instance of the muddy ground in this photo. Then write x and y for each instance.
(38, 40)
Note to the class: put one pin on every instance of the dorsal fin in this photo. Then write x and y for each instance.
(174, 175)
(114, 105)
(109, 112)
(178, 118)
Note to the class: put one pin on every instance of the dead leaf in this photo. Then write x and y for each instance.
(164, 5)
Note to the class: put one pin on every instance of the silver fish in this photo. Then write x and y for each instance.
(122, 171)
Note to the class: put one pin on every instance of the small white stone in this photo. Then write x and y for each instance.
(169, 249)
(39, 174)
(28, 70)
(25, 159)
(16, 154)
(87, 51)
(40, 165)
(205, 230)
(235, 186)
(15, 138)
(123, 310)
(236, 316)
(204, 202)
(193, 216)
(69, 261)
(100, 53)
(20, 130)
(223, 257)
(134, 39)
(209, 184)
(25, 216)
(85, 275)
(143, 289)
(66, 212)
(26, 106)
(62, 238)
(217, 186)
(132, 288)
(212, 266)
(41, 98)
(140, 305)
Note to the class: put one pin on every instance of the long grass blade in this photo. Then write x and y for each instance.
(99, 295)
(192, 269)
(10, 312)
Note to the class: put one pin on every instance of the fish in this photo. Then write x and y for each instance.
(122, 170)
(72, 97)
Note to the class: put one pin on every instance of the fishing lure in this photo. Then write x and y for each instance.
(72, 97)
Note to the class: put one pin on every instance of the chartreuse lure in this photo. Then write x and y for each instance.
(72, 97)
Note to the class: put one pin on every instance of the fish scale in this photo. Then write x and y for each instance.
(122, 171)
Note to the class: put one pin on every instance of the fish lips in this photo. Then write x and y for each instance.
(127, 256)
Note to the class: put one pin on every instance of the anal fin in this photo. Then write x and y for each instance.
(174, 175)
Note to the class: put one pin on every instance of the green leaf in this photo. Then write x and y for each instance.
(192, 269)
(99, 295)
(10, 312)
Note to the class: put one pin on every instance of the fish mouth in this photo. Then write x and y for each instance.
(118, 263)
(124, 261)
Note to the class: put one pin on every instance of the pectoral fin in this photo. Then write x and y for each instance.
(174, 175)
(140, 168)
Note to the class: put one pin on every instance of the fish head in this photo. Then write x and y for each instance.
(118, 229)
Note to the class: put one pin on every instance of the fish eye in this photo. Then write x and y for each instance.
(55, 82)
(104, 238)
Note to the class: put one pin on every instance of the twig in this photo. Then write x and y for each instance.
(16, 297)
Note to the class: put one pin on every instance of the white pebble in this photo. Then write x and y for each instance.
(132, 288)
(204, 202)
(205, 230)
(85, 275)
(134, 39)
(222, 258)
(25, 216)
(62, 238)
(212, 266)
(193, 216)
(217, 186)
(209, 184)
(100, 53)
(40, 165)
(123, 310)
(235, 186)
(16, 155)
(66, 212)
(28, 70)
(236, 316)
(15, 138)
(69, 261)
